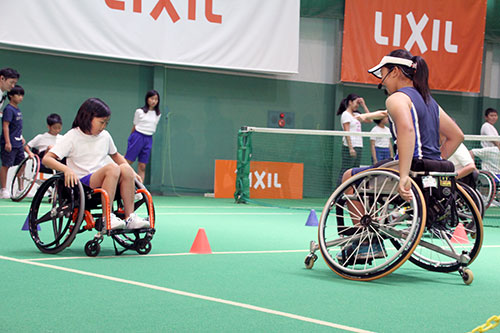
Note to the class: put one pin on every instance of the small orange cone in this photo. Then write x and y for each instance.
(460, 235)
(200, 244)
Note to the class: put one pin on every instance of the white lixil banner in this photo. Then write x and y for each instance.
(251, 35)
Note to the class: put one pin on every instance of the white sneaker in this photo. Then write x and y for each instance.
(5, 194)
(136, 222)
(116, 222)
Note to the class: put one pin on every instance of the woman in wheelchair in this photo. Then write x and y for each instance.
(86, 148)
(416, 120)
(380, 217)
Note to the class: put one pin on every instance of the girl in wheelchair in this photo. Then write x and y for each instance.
(86, 148)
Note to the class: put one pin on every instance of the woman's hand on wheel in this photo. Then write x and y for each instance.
(404, 188)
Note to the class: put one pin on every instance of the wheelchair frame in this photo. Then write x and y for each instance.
(366, 230)
(63, 210)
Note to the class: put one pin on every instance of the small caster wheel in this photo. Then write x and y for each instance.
(92, 248)
(143, 246)
(310, 260)
(467, 275)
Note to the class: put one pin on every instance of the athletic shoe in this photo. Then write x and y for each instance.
(136, 222)
(116, 222)
(362, 253)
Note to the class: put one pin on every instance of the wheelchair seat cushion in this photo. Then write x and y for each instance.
(432, 165)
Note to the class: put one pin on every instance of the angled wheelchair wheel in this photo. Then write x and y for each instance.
(24, 178)
(138, 240)
(486, 187)
(52, 211)
(361, 219)
(445, 247)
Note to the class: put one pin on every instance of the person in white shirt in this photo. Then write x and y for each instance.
(86, 148)
(488, 128)
(464, 165)
(352, 145)
(43, 142)
(381, 148)
(140, 141)
(8, 79)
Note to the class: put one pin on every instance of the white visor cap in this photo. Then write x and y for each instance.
(389, 60)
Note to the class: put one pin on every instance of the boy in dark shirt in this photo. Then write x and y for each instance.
(11, 142)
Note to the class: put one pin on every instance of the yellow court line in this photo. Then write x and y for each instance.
(192, 295)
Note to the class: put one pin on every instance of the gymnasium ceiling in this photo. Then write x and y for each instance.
(334, 9)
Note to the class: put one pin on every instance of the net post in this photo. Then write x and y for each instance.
(243, 157)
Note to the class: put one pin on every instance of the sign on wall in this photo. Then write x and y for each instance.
(448, 34)
(253, 35)
(268, 180)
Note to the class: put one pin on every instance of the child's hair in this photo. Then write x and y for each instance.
(90, 109)
(150, 93)
(418, 73)
(9, 73)
(377, 121)
(17, 90)
(488, 111)
(345, 103)
(54, 118)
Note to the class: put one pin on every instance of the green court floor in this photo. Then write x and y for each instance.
(254, 281)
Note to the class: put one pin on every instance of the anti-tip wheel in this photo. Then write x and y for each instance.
(92, 248)
(310, 259)
(467, 276)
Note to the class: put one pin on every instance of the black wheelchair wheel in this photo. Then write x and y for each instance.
(440, 247)
(53, 210)
(361, 219)
(92, 248)
(24, 178)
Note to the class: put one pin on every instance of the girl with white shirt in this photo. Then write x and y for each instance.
(86, 148)
(352, 145)
(140, 140)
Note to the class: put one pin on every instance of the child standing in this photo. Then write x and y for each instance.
(381, 147)
(140, 140)
(86, 147)
(12, 141)
(45, 141)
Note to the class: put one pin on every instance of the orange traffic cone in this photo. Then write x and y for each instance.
(460, 235)
(200, 244)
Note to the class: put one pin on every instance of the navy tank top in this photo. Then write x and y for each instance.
(426, 124)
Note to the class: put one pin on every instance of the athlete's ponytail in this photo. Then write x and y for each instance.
(421, 77)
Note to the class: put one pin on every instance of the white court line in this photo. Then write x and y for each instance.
(192, 295)
(168, 255)
(187, 254)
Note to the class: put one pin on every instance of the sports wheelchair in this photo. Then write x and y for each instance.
(488, 184)
(57, 214)
(28, 173)
(366, 230)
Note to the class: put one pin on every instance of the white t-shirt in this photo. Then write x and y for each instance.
(145, 122)
(354, 126)
(42, 141)
(488, 129)
(381, 142)
(490, 157)
(461, 158)
(85, 154)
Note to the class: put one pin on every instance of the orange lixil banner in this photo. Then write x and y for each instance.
(448, 34)
(268, 180)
